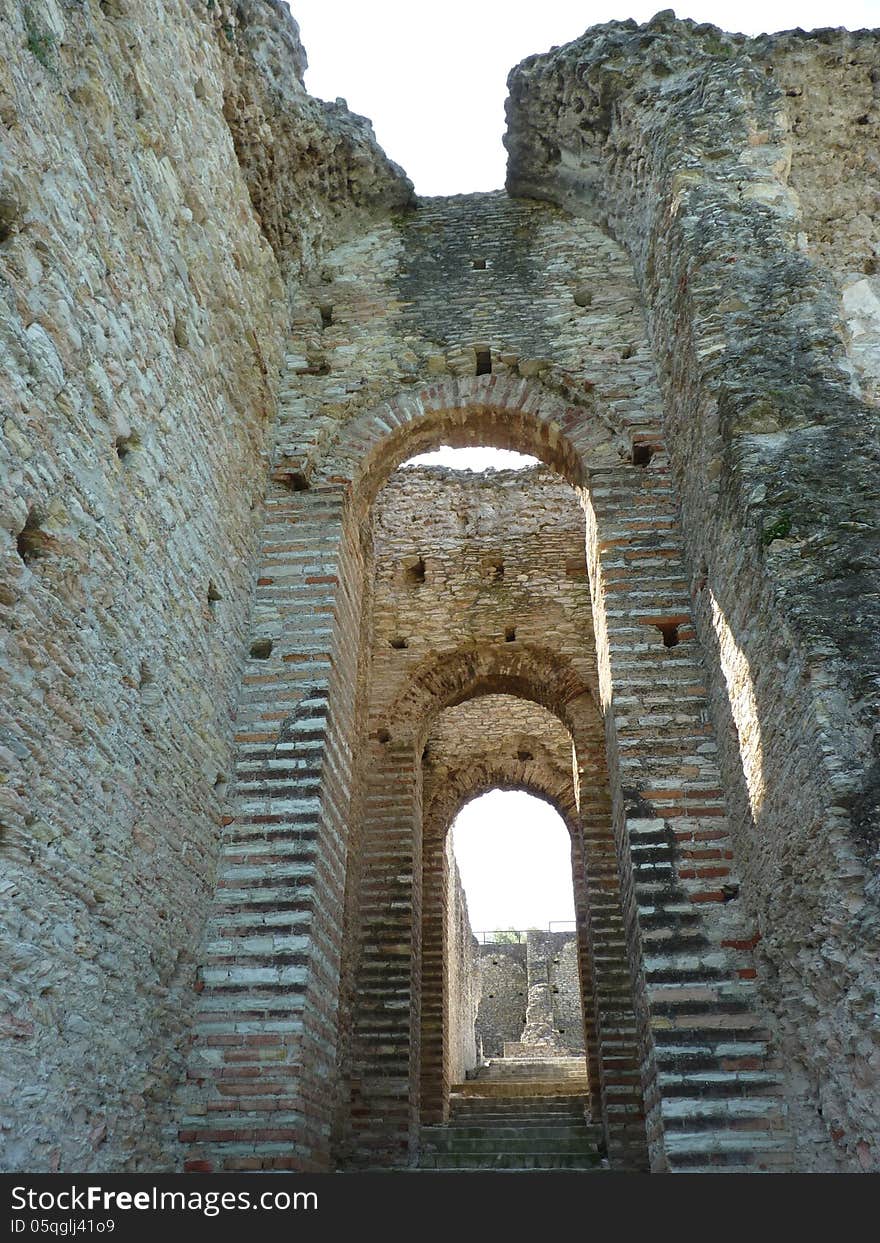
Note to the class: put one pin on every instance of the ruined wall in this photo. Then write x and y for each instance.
(565, 993)
(177, 219)
(830, 94)
(738, 174)
(507, 972)
(463, 980)
(503, 997)
(142, 326)
(464, 558)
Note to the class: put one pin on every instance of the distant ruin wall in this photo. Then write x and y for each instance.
(537, 973)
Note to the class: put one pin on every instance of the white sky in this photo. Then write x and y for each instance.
(514, 855)
(432, 78)
(473, 459)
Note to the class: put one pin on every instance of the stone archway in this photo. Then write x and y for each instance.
(310, 777)
(403, 903)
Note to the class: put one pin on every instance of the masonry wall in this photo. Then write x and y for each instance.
(504, 994)
(463, 979)
(142, 328)
(503, 997)
(178, 221)
(738, 174)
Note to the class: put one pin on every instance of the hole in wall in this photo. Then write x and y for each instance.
(181, 332)
(383, 736)
(669, 631)
(326, 311)
(524, 755)
(510, 635)
(32, 542)
(261, 649)
(9, 216)
(296, 481)
(478, 265)
(145, 675)
(398, 642)
(213, 594)
(642, 454)
(414, 570)
(484, 362)
(493, 568)
(126, 444)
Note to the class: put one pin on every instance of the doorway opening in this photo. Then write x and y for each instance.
(513, 853)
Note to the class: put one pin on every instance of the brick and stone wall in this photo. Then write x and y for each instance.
(143, 322)
(232, 676)
(742, 189)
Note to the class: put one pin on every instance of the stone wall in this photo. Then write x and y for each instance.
(508, 973)
(463, 979)
(142, 326)
(503, 997)
(738, 174)
(225, 323)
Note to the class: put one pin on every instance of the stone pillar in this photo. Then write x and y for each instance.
(386, 1038)
(710, 1081)
(265, 1045)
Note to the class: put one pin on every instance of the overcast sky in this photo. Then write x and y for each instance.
(514, 855)
(432, 79)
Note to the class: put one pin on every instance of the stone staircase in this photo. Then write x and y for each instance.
(517, 1115)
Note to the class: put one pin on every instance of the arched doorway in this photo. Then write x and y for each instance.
(510, 853)
(333, 746)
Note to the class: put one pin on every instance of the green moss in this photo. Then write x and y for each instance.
(778, 530)
(40, 43)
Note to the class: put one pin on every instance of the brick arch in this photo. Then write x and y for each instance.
(466, 784)
(526, 671)
(553, 784)
(505, 412)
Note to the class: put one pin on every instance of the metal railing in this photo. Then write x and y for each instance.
(516, 936)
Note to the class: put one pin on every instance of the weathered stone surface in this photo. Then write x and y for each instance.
(739, 175)
(142, 324)
(224, 324)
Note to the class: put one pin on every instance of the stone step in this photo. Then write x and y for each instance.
(504, 1123)
(507, 1134)
(515, 1117)
(503, 1161)
(455, 1145)
(528, 1088)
